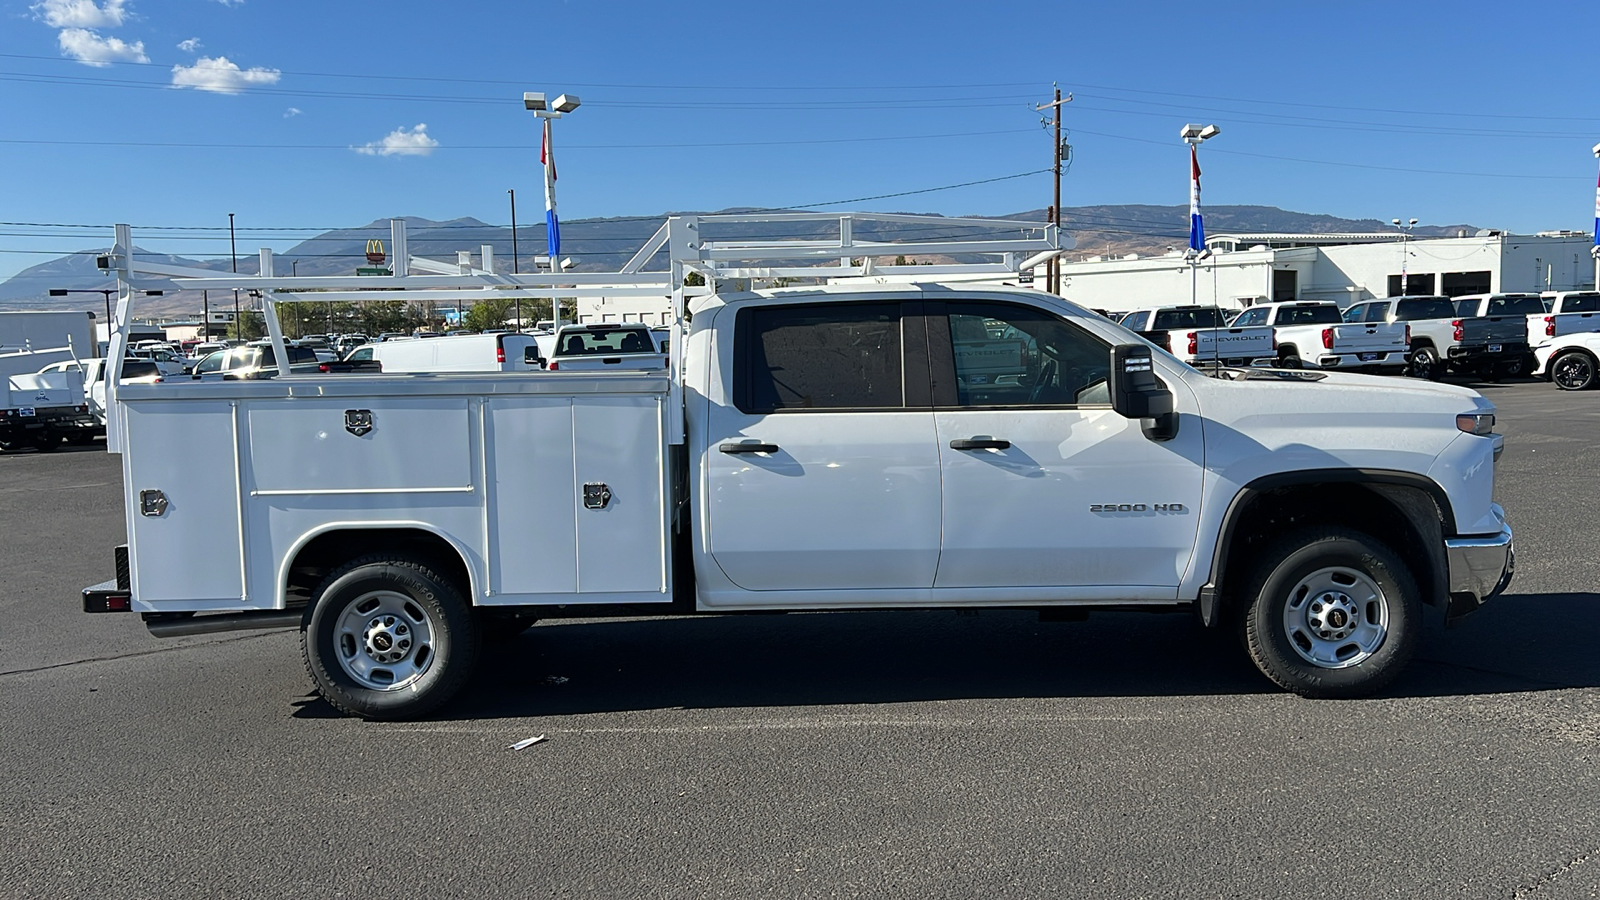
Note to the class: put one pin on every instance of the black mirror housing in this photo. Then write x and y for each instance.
(1136, 392)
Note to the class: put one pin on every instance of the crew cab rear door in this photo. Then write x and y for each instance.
(821, 470)
(1045, 486)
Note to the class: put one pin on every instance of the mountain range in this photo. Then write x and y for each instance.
(605, 244)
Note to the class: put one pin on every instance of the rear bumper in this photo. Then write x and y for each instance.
(1508, 350)
(1395, 358)
(1481, 565)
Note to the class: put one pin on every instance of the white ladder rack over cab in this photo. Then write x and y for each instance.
(803, 245)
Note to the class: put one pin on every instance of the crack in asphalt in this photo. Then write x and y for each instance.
(1538, 884)
(95, 659)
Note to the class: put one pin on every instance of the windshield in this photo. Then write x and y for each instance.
(1581, 303)
(1203, 317)
(1424, 308)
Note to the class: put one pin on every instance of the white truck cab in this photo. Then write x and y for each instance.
(818, 448)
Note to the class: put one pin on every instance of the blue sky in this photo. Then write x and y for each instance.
(305, 115)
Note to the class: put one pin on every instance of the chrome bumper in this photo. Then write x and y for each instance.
(1482, 565)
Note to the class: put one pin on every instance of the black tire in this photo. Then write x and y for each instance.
(1573, 370)
(81, 439)
(407, 606)
(47, 443)
(503, 625)
(1298, 588)
(1290, 361)
(1425, 364)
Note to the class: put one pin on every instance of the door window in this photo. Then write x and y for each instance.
(835, 356)
(1008, 355)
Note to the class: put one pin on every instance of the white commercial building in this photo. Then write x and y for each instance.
(1244, 269)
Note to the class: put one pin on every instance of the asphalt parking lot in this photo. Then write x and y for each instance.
(873, 754)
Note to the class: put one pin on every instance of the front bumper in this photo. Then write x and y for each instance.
(1481, 565)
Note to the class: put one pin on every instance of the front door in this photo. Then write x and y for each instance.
(823, 472)
(1044, 485)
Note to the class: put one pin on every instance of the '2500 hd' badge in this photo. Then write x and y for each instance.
(1137, 507)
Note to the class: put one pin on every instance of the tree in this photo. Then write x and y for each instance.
(486, 314)
(900, 260)
(694, 279)
(247, 327)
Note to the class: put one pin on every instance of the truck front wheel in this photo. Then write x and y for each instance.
(388, 638)
(1333, 613)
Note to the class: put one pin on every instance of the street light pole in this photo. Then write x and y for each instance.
(233, 250)
(514, 269)
(555, 109)
(1405, 253)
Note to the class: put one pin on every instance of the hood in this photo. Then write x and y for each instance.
(1312, 389)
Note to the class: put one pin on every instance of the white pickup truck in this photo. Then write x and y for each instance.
(602, 347)
(819, 448)
(1201, 335)
(42, 409)
(1311, 334)
(1566, 312)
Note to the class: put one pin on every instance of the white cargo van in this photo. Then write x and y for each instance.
(460, 353)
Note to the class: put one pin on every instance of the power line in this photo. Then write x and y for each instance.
(520, 147)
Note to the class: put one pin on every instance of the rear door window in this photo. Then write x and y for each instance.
(1581, 303)
(1356, 313)
(837, 356)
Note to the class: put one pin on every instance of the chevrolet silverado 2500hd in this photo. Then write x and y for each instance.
(824, 448)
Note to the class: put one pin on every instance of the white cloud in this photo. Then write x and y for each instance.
(91, 49)
(401, 142)
(190, 45)
(221, 76)
(291, 112)
(80, 13)
(231, 2)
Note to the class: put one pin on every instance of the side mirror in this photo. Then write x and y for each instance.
(1136, 392)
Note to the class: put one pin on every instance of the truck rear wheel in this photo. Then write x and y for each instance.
(1425, 363)
(388, 638)
(1333, 613)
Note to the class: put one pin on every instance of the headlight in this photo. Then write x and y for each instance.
(1476, 423)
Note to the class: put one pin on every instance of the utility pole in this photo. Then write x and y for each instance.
(514, 269)
(1053, 267)
(233, 249)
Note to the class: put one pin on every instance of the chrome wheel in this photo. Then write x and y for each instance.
(1336, 617)
(384, 640)
(1572, 372)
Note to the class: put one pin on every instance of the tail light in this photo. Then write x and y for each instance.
(1408, 334)
(324, 367)
(1327, 338)
(1459, 333)
(554, 366)
(1194, 342)
(157, 380)
(500, 354)
(1274, 340)
(1549, 326)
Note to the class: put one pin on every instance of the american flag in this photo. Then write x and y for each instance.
(547, 156)
(1197, 228)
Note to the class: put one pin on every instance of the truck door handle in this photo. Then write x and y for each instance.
(748, 448)
(979, 444)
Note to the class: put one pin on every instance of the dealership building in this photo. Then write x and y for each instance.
(1243, 269)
